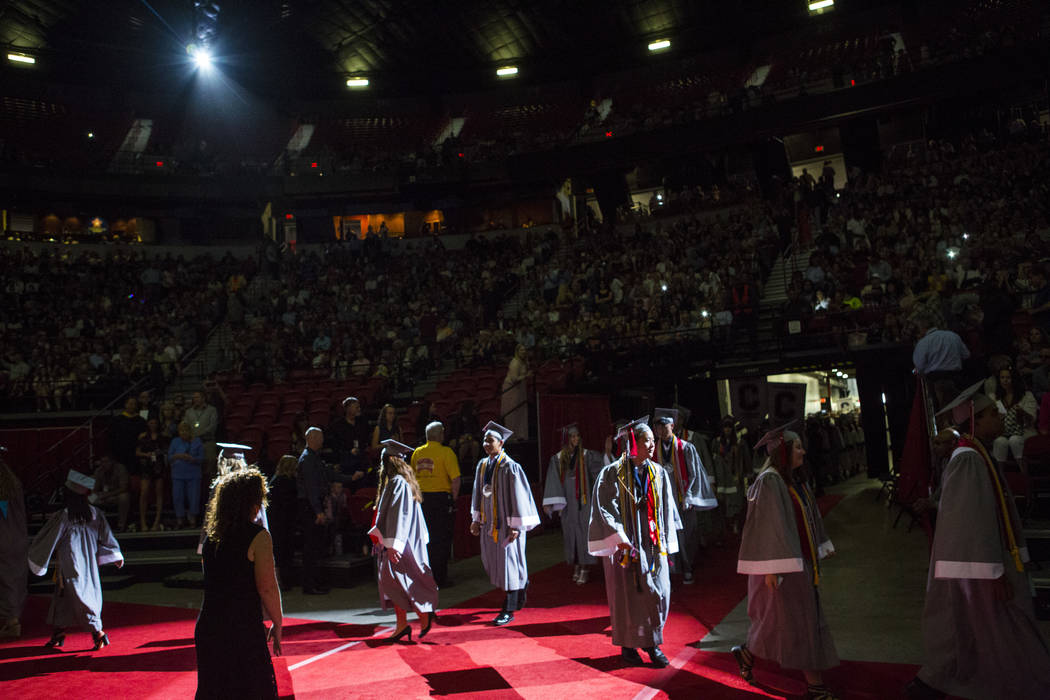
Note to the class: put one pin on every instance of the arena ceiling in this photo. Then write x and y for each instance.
(397, 42)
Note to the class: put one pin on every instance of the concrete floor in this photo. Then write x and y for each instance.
(872, 589)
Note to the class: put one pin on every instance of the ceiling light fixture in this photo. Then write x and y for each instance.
(820, 5)
(507, 71)
(357, 82)
(660, 45)
(21, 58)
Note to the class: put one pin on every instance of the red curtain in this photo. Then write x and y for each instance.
(590, 412)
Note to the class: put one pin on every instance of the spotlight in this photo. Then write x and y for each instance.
(704, 313)
(966, 236)
(91, 134)
(200, 55)
(663, 287)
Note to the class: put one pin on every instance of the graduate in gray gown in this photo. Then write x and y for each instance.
(692, 489)
(571, 474)
(14, 543)
(502, 511)
(978, 626)
(401, 537)
(79, 538)
(634, 528)
(780, 551)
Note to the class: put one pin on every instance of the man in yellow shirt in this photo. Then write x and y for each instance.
(437, 471)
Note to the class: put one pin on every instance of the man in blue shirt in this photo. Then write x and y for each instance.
(185, 455)
(939, 356)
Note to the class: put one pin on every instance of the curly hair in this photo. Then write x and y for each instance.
(232, 505)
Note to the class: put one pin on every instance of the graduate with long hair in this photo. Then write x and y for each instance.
(401, 537)
(780, 551)
(80, 540)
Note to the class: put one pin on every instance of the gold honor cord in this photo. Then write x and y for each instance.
(495, 491)
(809, 535)
(1011, 538)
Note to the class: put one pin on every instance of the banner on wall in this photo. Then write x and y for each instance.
(753, 399)
(785, 402)
(747, 400)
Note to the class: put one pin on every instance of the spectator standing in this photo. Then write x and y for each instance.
(124, 433)
(939, 356)
(437, 471)
(112, 488)
(313, 483)
(514, 404)
(281, 511)
(349, 439)
(13, 548)
(204, 421)
(186, 455)
(151, 452)
(386, 426)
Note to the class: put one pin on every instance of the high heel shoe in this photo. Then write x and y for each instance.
(745, 660)
(101, 640)
(406, 631)
(58, 638)
(426, 628)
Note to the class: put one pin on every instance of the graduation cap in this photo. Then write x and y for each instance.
(231, 456)
(729, 419)
(500, 432)
(235, 450)
(393, 448)
(567, 432)
(663, 416)
(80, 483)
(777, 437)
(626, 433)
(967, 405)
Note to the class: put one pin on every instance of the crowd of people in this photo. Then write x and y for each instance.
(79, 329)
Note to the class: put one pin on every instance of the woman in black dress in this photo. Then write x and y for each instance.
(239, 582)
(151, 451)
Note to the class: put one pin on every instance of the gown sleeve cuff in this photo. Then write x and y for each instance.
(110, 558)
(968, 569)
(759, 567)
(605, 547)
(523, 523)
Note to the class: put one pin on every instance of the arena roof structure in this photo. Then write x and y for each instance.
(313, 46)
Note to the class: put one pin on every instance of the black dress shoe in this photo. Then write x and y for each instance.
(503, 618)
(918, 690)
(317, 590)
(631, 656)
(658, 658)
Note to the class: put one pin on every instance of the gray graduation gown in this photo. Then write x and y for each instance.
(515, 510)
(640, 595)
(409, 584)
(977, 646)
(79, 549)
(787, 623)
(693, 494)
(560, 497)
(14, 546)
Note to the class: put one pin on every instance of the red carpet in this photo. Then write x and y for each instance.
(559, 646)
